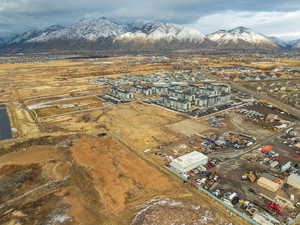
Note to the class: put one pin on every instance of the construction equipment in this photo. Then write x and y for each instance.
(209, 140)
(209, 184)
(249, 176)
(232, 197)
(251, 209)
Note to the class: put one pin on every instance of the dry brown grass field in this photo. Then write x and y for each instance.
(101, 180)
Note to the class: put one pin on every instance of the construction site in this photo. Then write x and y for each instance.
(138, 139)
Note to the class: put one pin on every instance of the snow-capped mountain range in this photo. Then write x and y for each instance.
(281, 43)
(87, 29)
(102, 33)
(295, 43)
(240, 36)
(155, 31)
(31, 34)
(94, 28)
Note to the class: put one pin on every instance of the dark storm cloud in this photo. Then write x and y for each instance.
(19, 15)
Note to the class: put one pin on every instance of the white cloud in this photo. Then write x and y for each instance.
(281, 24)
(288, 35)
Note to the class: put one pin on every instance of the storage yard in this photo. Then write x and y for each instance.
(260, 181)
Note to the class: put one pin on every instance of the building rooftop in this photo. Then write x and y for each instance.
(190, 158)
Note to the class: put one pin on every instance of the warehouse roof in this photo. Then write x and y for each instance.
(294, 180)
(190, 158)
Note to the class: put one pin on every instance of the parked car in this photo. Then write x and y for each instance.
(201, 181)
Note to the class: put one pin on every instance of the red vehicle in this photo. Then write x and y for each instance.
(275, 207)
(211, 164)
(296, 156)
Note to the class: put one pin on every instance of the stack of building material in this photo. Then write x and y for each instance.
(268, 184)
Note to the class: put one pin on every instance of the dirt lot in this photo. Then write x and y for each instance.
(167, 211)
(239, 124)
(119, 175)
(137, 125)
(188, 127)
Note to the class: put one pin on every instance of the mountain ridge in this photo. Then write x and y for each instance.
(295, 44)
(105, 34)
(242, 37)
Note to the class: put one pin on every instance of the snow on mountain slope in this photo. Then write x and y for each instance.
(24, 37)
(295, 44)
(102, 33)
(155, 31)
(280, 42)
(87, 29)
(240, 35)
(94, 28)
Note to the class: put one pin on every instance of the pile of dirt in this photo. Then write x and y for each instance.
(167, 211)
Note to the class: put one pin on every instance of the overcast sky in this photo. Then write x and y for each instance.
(280, 18)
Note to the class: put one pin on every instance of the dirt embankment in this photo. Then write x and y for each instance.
(167, 211)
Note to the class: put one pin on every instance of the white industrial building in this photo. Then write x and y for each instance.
(294, 180)
(189, 162)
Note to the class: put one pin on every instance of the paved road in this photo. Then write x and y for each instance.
(271, 81)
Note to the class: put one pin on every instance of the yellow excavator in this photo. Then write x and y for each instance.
(249, 176)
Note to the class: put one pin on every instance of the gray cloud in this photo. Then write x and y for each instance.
(21, 15)
(275, 23)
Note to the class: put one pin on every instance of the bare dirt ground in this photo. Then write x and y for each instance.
(119, 176)
(241, 125)
(138, 125)
(167, 211)
(188, 127)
